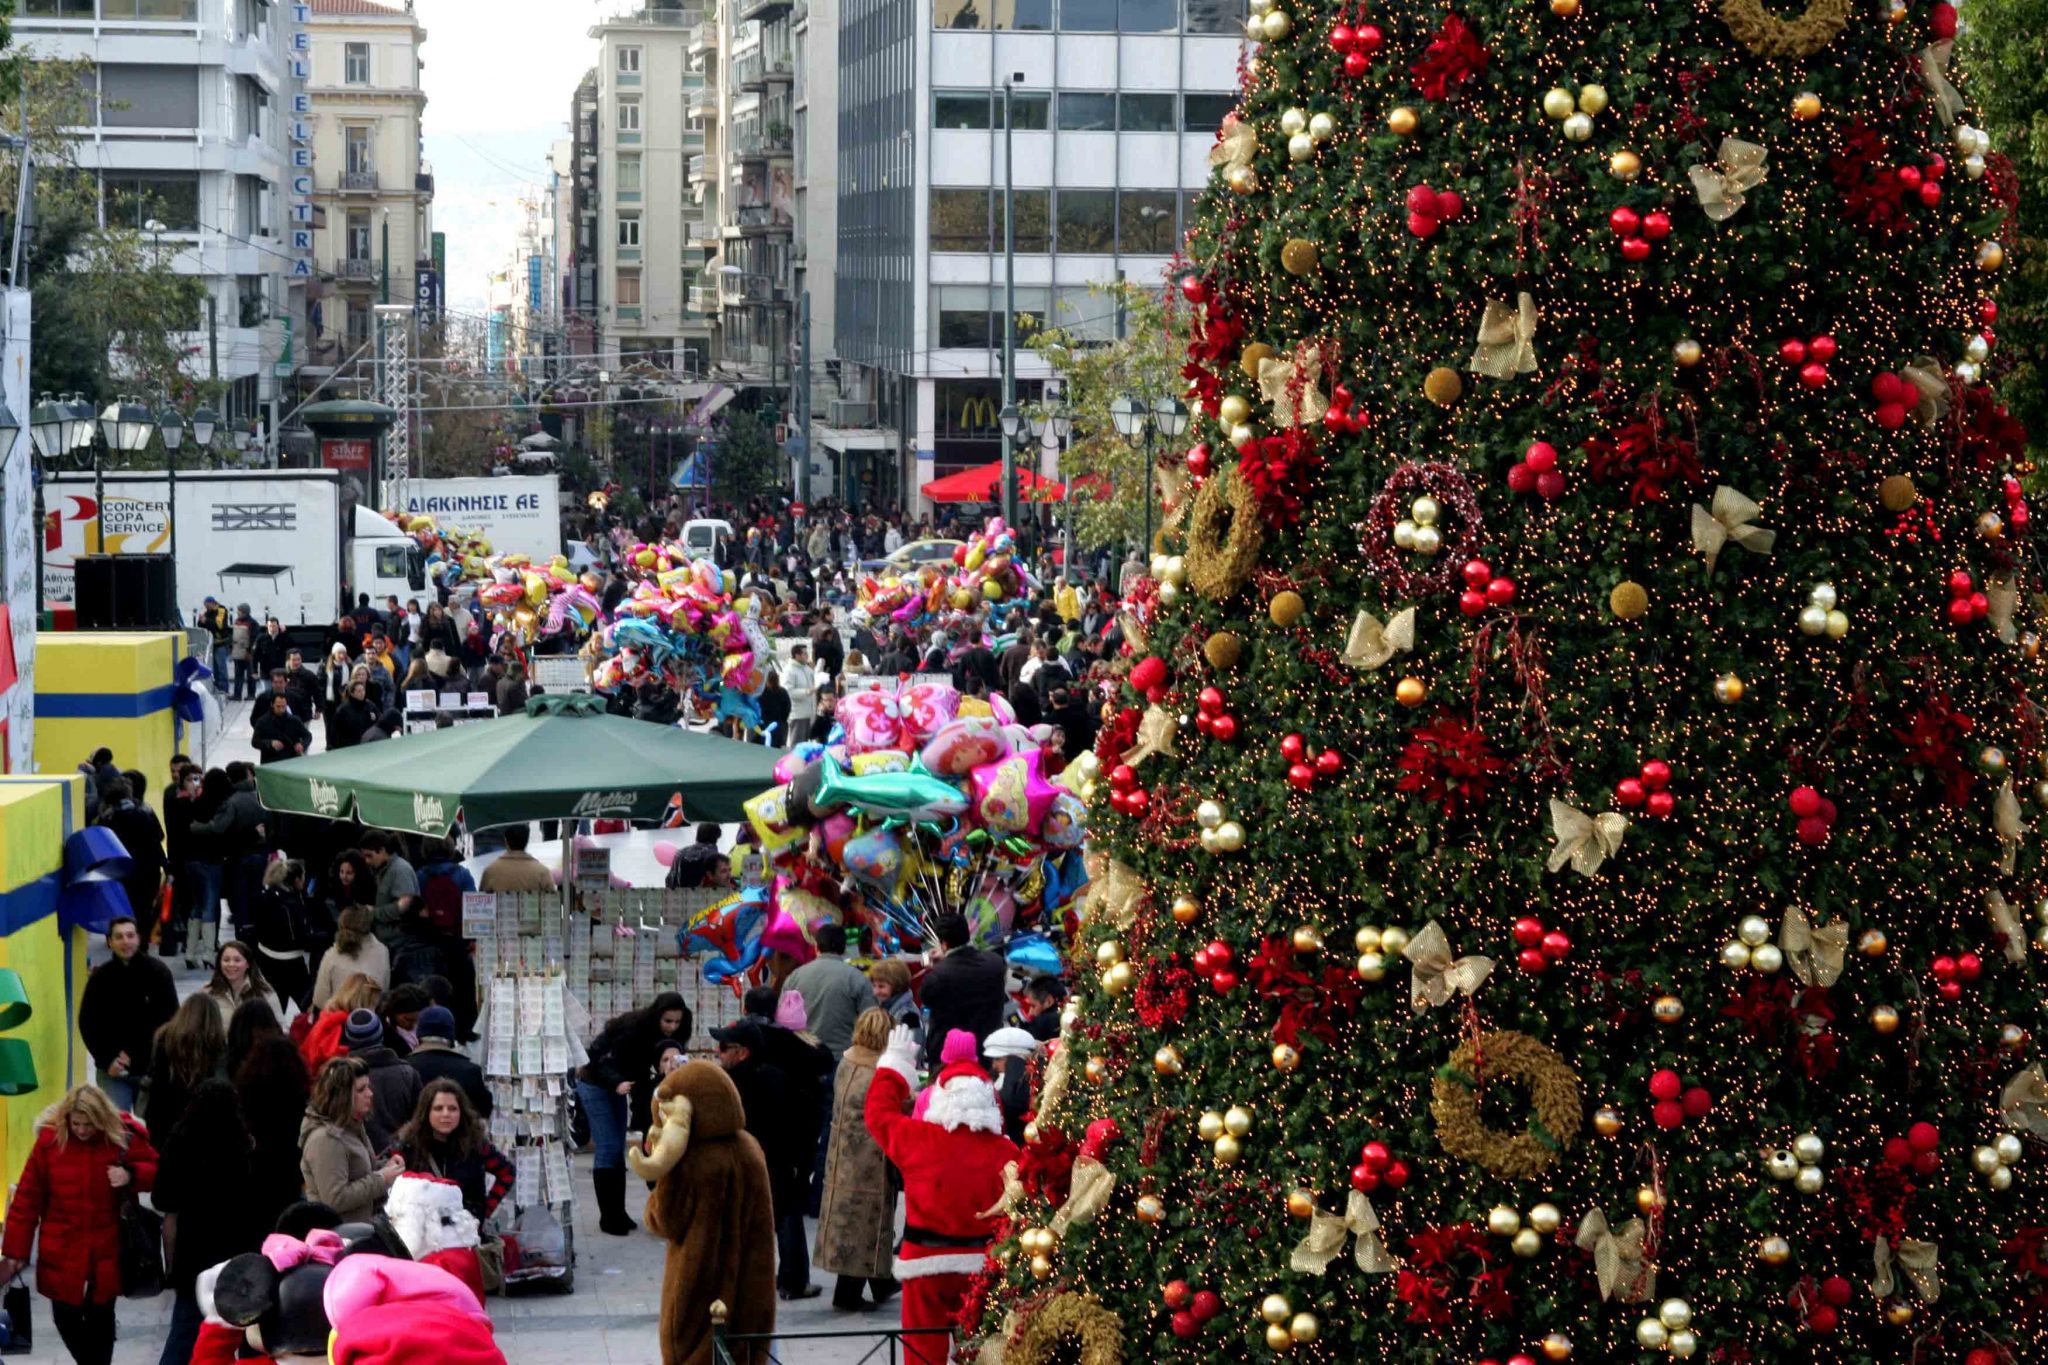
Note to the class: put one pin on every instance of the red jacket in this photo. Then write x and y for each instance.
(949, 1177)
(322, 1042)
(64, 1192)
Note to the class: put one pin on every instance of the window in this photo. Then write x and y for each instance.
(627, 292)
(252, 305)
(1215, 16)
(1025, 16)
(185, 11)
(1087, 315)
(358, 327)
(1204, 113)
(1144, 221)
(629, 61)
(960, 14)
(58, 9)
(1088, 16)
(959, 220)
(170, 198)
(1087, 113)
(149, 96)
(358, 242)
(1032, 111)
(629, 232)
(1145, 113)
(392, 560)
(1148, 16)
(1087, 221)
(964, 318)
(1034, 221)
(961, 111)
(355, 64)
(629, 116)
(359, 151)
(629, 175)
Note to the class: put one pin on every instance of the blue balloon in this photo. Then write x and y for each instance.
(1033, 952)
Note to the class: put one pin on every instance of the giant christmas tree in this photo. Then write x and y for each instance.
(1566, 853)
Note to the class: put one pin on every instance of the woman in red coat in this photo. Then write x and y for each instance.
(88, 1158)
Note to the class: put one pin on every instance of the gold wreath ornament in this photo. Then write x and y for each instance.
(1737, 169)
(1068, 1327)
(1585, 841)
(1553, 1090)
(1439, 975)
(1225, 535)
(1507, 338)
(1324, 1240)
(1372, 645)
(1727, 519)
(1767, 35)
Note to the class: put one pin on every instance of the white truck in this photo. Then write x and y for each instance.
(275, 539)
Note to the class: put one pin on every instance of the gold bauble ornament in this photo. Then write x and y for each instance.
(1209, 1126)
(1624, 165)
(1503, 1221)
(1367, 939)
(1629, 600)
(1234, 410)
(1443, 386)
(1373, 966)
(1322, 127)
(1299, 256)
(1564, 9)
(1607, 1120)
(1898, 1312)
(1526, 1243)
(1186, 909)
(1401, 120)
(1990, 525)
(1578, 128)
(1294, 121)
(1096, 1070)
(1300, 147)
(1675, 1313)
(1237, 1121)
(1809, 1180)
(1230, 837)
(1686, 352)
(1307, 939)
(1304, 1328)
(1286, 607)
(1393, 939)
(1300, 1204)
(1728, 688)
(1228, 1150)
(1041, 1267)
(1168, 1061)
(1990, 256)
(1277, 25)
(1884, 1019)
(1108, 953)
(1119, 978)
(1558, 104)
(1683, 1344)
(1873, 943)
(1667, 1009)
(1652, 1335)
(1285, 1058)
(1031, 1133)
(1805, 106)
(1557, 1346)
(1411, 691)
(1241, 179)
(1648, 1200)
(1151, 1209)
(1278, 1338)
(1276, 1308)
(1248, 362)
(1546, 1218)
(1223, 650)
(1592, 98)
(1774, 1251)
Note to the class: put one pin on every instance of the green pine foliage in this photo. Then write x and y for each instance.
(1825, 746)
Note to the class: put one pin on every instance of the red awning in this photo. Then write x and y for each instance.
(980, 484)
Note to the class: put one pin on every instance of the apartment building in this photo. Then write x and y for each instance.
(1114, 105)
(374, 193)
(196, 130)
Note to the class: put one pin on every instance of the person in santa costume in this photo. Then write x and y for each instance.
(951, 1154)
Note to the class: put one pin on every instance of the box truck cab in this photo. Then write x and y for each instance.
(384, 561)
(700, 538)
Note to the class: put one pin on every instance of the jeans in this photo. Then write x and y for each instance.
(606, 1111)
(792, 1254)
(220, 669)
(184, 1330)
(87, 1330)
(119, 1089)
(245, 681)
(244, 885)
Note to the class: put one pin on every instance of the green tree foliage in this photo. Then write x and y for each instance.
(2005, 47)
(747, 463)
(1586, 587)
(1107, 471)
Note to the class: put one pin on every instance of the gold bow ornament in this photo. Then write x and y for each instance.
(1931, 385)
(1585, 841)
(1054, 1087)
(2005, 818)
(1948, 101)
(1618, 1258)
(1921, 1262)
(992, 1346)
(2001, 600)
(1236, 144)
(1439, 976)
(2023, 1104)
(1325, 1240)
(2005, 922)
(1086, 1195)
(1814, 955)
(1115, 895)
(1728, 519)
(1507, 338)
(1292, 387)
(1737, 169)
(1372, 645)
(1013, 1194)
(1155, 735)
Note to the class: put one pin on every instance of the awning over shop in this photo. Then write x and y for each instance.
(980, 484)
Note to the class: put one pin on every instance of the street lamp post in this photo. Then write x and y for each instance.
(124, 426)
(1010, 418)
(1012, 422)
(171, 427)
(49, 438)
(1134, 418)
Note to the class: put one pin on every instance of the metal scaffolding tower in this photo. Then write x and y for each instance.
(395, 327)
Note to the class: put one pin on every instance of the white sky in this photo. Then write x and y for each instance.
(499, 77)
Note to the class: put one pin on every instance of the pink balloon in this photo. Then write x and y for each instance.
(1011, 795)
(925, 709)
(836, 830)
(873, 720)
(965, 744)
(665, 853)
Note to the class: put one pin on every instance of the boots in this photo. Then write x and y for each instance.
(611, 1202)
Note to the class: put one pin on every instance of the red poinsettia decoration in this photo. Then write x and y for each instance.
(1315, 1007)
(1452, 58)
(1872, 1200)
(1454, 1261)
(1118, 737)
(1450, 763)
(1646, 455)
(1280, 470)
(1047, 1166)
(1872, 196)
(1164, 992)
(1988, 437)
(2026, 1255)
(1934, 741)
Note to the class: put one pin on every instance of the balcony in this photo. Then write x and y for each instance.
(701, 104)
(767, 11)
(756, 144)
(423, 183)
(653, 15)
(355, 270)
(703, 299)
(757, 219)
(704, 38)
(700, 169)
(354, 181)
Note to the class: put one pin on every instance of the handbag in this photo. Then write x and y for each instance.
(16, 1306)
(142, 1251)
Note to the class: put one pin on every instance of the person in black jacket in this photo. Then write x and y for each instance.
(283, 934)
(445, 1138)
(437, 1058)
(127, 999)
(965, 989)
(620, 1054)
(136, 826)
(278, 734)
(349, 721)
(203, 1178)
(274, 1086)
(395, 1085)
(806, 1070)
(779, 1121)
(188, 1050)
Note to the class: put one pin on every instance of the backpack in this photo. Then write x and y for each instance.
(441, 900)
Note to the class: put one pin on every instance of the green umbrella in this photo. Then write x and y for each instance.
(565, 759)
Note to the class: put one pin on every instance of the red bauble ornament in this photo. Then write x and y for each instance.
(1665, 1085)
(1836, 1292)
(1356, 63)
(1210, 699)
(1148, 673)
(1223, 983)
(1528, 932)
(1556, 945)
(1659, 805)
(1198, 462)
(1449, 204)
(1941, 20)
(1959, 583)
(1224, 728)
(1792, 351)
(1329, 763)
(1541, 456)
(1813, 376)
(1500, 592)
(1625, 221)
(1123, 777)
(1821, 348)
(1909, 176)
(1805, 801)
(1422, 225)
(1696, 1102)
(1923, 1137)
(1375, 1155)
(1301, 776)
(1969, 967)
(1628, 793)
(1184, 1325)
(1369, 39)
(1656, 225)
(1897, 1152)
(1813, 830)
(1396, 1175)
(1550, 485)
(1930, 193)
(1823, 1320)
(1656, 775)
(1472, 602)
(1532, 961)
(1521, 478)
(1176, 1294)
(1667, 1114)
(1342, 36)
(1987, 311)
(1477, 573)
(1219, 952)
(1137, 798)
(1364, 1179)
(1635, 250)
(1292, 747)
(1205, 1305)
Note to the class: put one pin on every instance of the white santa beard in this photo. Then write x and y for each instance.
(965, 1102)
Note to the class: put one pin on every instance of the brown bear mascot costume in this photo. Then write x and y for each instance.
(712, 1203)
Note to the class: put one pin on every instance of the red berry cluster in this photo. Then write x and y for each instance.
(1210, 717)
(1917, 1151)
(1648, 792)
(1192, 1308)
(1815, 813)
(2017, 518)
(1148, 678)
(1894, 396)
(1378, 1168)
(1539, 947)
(1358, 46)
(1537, 472)
(1810, 358)
(1126, 797)
(1198, 460)
(1341, 415)
(1965, 603)
(1824, 1303)
(1484, 588)
(1215, 960)
(1675, 1101)
(1638, 230)
(1924, 181)
(1951, 974)
(1302, 769)
(1430, 209)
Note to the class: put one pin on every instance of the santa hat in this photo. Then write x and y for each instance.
(391, 1312)
(962, 1096)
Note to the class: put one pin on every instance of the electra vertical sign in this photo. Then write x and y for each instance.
(299, 44)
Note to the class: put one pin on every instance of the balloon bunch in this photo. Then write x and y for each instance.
(528, 603)
(989, 567)
(682, 623)
(923, 803)
(985, 571)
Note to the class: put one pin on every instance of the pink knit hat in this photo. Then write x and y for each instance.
(959, 1047)
(790, 1012)
(361, 1282)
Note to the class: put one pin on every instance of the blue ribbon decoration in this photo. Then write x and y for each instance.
(91, 894)
(187, 703)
